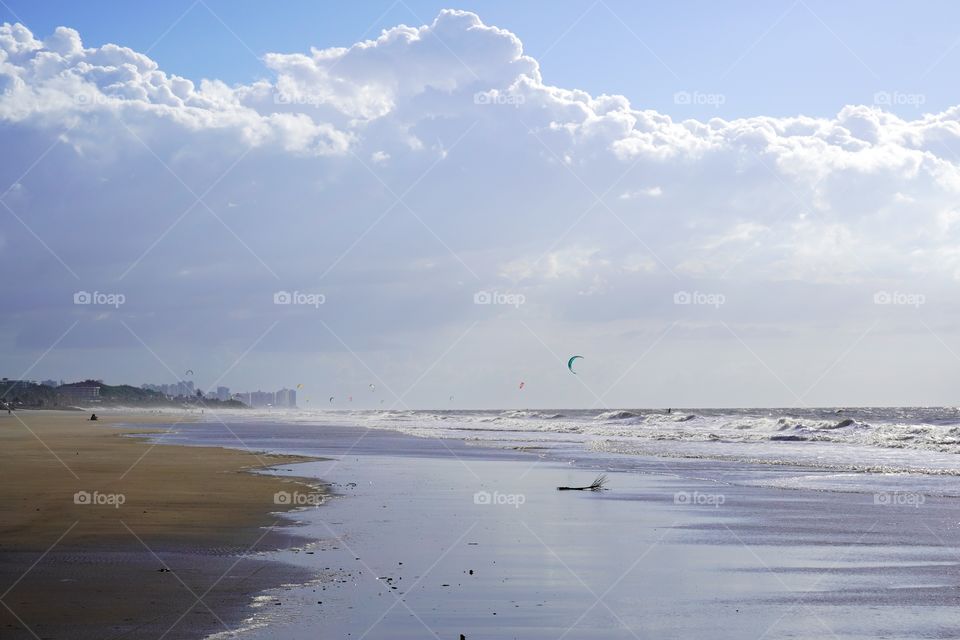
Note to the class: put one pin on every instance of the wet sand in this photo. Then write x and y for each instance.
(437, 539)
(107, 536)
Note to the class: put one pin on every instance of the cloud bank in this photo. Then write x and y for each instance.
(402, 175)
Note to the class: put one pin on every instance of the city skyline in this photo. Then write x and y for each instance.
(283, 397)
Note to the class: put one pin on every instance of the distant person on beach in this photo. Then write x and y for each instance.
(93, 416)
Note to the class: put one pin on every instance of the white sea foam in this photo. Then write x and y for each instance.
(874, 440)
(883, 440)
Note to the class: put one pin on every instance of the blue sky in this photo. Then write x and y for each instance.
(765, 58)
(716, 205)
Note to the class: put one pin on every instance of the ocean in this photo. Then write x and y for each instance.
(860, 446)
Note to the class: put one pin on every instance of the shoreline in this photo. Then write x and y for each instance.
(106, 535)
(445, 538)
(513, 562)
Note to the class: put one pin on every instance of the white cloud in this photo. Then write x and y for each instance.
(499, 174)
(649, 192)
(569, 263)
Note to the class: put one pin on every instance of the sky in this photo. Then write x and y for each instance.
(744, 204)
(766, 58)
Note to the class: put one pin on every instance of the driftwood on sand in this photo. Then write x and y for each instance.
(598, 485)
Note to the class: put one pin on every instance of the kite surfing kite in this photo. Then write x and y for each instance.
(331, 399)
(570, 364)
(373, 387)
(523, 384)
(188, 372)
(300, 386)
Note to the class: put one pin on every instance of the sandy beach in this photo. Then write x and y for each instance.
(437, 537)
(103, 535)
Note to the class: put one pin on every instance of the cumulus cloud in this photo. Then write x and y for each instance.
(405, 172)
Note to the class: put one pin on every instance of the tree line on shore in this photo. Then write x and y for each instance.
(22, 394)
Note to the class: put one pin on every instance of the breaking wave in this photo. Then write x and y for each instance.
(864, 440)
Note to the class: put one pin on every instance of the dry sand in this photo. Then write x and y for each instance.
(94, 570)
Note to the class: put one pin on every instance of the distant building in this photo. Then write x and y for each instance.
(80, 395)
(51, 383)
(256, 398)
(182, 388)
(263, 399)
(223, 393)
(287, 398)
